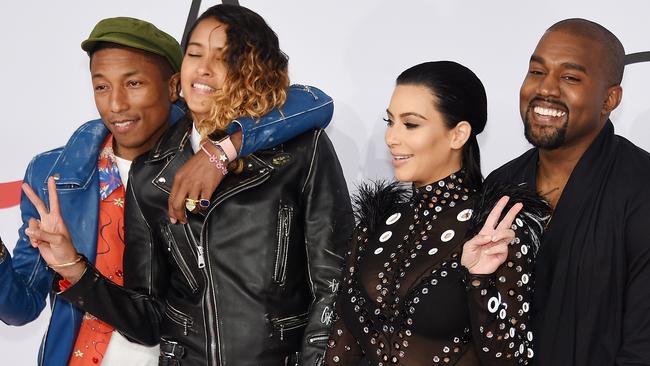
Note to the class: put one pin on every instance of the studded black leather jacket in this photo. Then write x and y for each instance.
(249, 281)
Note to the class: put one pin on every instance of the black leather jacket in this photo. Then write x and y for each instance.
(249, 282)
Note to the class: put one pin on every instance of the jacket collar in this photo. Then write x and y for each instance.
(175, 148)
(78, 160)
(175, 139)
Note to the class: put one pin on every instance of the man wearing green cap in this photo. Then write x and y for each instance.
(134, 69)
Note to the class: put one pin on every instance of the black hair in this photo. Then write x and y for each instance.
(613, 52)
(459, 96)
(166, 69)
(245, 31)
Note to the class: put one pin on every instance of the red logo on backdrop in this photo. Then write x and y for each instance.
(10, 194)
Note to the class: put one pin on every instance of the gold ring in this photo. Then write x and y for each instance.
(191, 204)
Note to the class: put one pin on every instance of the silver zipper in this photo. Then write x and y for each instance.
(213, 329)
(290, 323)
(179, 318)
(200, 250)
(318, 339)
(284, 229)
(178, 257)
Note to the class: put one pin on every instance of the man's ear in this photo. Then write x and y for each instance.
(614, 96)
(460, 134)
(174, 87)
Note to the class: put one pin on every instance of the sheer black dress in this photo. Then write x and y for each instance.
(406, 300)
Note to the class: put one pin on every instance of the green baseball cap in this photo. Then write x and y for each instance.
(137, 34)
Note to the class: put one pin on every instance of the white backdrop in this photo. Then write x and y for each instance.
(353, 50)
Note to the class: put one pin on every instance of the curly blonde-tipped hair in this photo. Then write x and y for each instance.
(257, 78)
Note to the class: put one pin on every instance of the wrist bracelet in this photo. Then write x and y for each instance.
(69, 264)
(218, 161)
(227, 147)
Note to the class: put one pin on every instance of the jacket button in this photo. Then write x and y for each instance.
(162, 180)
(56, 176)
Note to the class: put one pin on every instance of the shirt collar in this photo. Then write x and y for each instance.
(195, 139)
(109, 174)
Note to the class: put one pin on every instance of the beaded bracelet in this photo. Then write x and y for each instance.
(218, 161)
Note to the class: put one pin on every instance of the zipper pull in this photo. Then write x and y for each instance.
(185, 327)
(282, 332)
(201, 257)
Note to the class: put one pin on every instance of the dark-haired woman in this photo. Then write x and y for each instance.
(249, 280)
(441, 277)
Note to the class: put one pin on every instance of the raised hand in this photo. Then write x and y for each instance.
(50, 234)
(486, 251)
(197, 178)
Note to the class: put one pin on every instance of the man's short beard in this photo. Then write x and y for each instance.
(547, 141)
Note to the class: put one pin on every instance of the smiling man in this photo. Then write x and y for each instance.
(134, 70)
(592, 298)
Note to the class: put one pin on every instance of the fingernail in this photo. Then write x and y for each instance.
(28, 231)
(172, 220)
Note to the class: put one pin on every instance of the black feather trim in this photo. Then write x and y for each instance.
(373, 201)
(535, 214)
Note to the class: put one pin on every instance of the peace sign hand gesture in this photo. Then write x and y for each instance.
(488, 249)
(50, 235)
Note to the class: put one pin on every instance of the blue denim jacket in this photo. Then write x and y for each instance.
(25, 279)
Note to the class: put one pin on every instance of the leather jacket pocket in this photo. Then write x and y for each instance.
(285, 220)
(179, 317)
(172, 247)
(288, 324)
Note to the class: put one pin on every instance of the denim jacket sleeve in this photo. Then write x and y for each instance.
(306, 108)
(24, 277)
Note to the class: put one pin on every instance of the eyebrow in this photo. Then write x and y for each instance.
(406, 114)
(568, 65)
(128, 74)
(197, 44)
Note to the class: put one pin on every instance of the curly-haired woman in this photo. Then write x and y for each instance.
(250, 279)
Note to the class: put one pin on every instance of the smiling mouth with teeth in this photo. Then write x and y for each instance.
(123, 123)
(203, 87)
(548, 112)
(401, 157)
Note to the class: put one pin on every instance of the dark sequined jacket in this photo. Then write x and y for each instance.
(406, 299)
